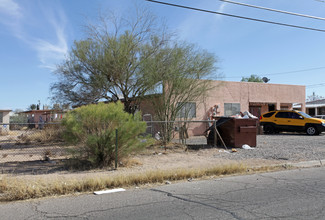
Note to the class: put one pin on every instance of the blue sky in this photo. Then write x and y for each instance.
(35, 36)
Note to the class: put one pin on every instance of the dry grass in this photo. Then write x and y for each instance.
(4, 133)
(19, 188)
(48, 134)
(129, 162)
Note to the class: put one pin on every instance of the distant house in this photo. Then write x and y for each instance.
(4, 120)
(316, 107)
(35, 118)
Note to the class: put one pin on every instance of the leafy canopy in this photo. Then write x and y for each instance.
(252, 78)
(111, 63)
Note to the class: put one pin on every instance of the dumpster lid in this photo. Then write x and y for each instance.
(219, 122)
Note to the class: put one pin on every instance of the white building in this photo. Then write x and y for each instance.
(315, 108)
(4, 120)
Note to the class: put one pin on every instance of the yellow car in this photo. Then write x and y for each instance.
(290, 120)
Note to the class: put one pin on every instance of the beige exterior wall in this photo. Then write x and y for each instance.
(251, 94)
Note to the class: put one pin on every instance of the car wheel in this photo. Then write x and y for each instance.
(311, 130)
(268, 129)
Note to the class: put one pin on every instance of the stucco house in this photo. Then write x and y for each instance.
(230, 98)
(4, 120)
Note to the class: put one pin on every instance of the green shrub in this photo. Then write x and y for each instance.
(92, 129)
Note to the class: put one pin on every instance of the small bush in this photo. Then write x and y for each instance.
(93, 129)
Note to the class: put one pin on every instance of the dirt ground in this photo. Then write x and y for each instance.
(180, 158)
(150, 160)
(30, 160)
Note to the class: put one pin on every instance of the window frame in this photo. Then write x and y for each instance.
(182, 113)
(226, 110)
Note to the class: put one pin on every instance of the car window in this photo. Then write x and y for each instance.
(267, 115)
(305, 115)
(283, 115)
(296, 116)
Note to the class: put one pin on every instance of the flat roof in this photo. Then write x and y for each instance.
(44, 111)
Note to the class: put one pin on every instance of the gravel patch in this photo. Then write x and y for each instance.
(291, 147)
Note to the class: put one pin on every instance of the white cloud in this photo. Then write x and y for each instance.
(10, 15)
(52, 52)
(48, 20)
(10, 7)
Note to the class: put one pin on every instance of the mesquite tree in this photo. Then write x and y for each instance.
(109, 64)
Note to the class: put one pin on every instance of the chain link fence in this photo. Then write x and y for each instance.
(37, 148)
(40, 148)
(31, 148)
(182, 132)
(224, 132)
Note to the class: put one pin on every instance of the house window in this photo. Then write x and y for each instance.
(1, 117)
(188, 110)
(232, 109)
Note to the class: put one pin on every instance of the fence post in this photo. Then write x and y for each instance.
(215, 133)
(116, 148)
(180, 140)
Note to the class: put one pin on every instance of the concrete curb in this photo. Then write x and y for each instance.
(306, 164)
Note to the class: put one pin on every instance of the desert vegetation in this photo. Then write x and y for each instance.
(99, 130)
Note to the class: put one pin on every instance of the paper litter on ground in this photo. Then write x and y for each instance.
(109, 191)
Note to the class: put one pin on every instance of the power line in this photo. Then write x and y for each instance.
(281, 73)
(236, 16)
(315, 85)
(275, 10)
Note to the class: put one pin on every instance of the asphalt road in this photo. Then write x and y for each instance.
(292, 194)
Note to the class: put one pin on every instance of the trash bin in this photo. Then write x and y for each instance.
(212, 137)
(235, 132)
